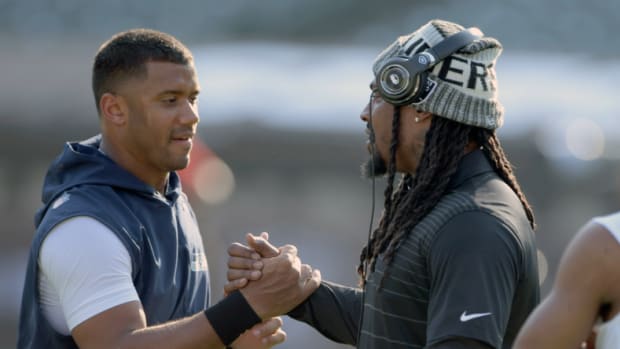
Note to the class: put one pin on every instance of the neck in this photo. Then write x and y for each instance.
(153, 177)
(471, 146)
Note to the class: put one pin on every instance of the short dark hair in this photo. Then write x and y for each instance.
(125, 55)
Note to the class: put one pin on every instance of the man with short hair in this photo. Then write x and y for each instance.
(117, 260)
(452, 263)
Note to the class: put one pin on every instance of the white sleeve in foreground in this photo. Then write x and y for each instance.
(611, 222)
(87, 268)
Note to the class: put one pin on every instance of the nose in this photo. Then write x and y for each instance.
(190, 114)
(364, 115)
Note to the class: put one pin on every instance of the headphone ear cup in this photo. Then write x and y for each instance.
(404, 80)
(396, 83)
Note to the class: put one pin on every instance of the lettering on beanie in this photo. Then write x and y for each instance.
(467, 73)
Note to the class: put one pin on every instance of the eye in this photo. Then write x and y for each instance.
(374, 95)
(193, 99)
(170, 100)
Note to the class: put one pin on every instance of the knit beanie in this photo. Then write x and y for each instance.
(466, 84)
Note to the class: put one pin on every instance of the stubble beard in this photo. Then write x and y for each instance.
(375, 166)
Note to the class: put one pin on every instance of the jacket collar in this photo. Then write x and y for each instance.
(473, 164)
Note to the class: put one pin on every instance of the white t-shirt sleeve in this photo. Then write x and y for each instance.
(611, 222)
(84, 270)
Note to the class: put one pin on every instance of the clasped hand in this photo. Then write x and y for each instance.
(273, 281)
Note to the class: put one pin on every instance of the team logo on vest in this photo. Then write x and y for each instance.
(198, 261)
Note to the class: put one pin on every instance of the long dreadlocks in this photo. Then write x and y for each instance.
(416, 195)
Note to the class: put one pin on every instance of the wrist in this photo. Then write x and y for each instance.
(231, 317)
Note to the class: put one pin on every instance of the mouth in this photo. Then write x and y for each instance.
(369, 134)
(183, 139)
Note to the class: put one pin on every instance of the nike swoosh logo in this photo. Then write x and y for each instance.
(466, 317)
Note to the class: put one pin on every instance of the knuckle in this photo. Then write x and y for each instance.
(248, 263)
(286, 260)
(292, 249)
(232, 248)
(291, 260)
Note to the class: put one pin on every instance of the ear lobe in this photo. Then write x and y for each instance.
(423, 115)
(111, 107)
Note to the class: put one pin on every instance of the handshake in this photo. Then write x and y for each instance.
(272, 280)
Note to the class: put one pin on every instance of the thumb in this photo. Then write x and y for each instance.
(262, 246)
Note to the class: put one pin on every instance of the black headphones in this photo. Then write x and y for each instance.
(404, 80)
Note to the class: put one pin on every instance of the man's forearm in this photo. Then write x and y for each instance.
(194, 332)
(125, 326)
(333, 310)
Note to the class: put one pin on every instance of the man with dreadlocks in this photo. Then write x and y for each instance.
(452, 263)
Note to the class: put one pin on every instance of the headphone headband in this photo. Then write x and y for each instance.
(453, 43)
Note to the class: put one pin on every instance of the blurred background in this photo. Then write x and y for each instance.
(283, 84)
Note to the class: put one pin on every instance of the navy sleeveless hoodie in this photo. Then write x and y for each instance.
(160, 232)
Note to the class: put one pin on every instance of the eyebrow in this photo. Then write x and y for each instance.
(178, 92)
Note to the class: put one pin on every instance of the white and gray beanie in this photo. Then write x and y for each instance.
(466, 84)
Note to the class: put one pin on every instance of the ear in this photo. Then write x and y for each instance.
(113, 108)
(423, 115)
(416, 116)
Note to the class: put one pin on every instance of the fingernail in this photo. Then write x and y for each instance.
(258, 265)
(256, 333)
(255, 256)
(256, 274)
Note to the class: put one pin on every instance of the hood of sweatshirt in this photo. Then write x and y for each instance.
(81, 163)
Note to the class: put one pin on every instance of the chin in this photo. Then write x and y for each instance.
(179, 164)
(374, 167)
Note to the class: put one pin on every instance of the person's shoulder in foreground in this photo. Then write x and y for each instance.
(117, 259)
(586, 292)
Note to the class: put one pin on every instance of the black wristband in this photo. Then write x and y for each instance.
(231, 317)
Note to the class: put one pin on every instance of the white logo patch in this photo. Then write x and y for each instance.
(467, 317)
(61, 200)
(198, 262)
